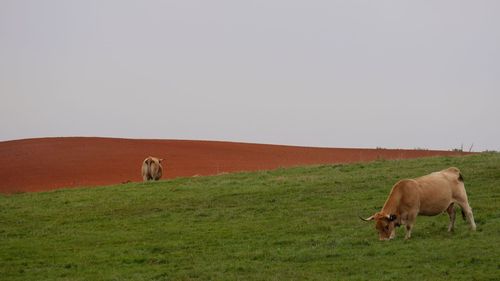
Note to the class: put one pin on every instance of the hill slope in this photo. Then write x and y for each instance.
(289, 224)
(50, 163)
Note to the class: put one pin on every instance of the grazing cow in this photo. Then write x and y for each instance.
(152, 169)
(429, 195)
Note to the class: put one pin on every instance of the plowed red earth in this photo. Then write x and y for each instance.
(50, 163)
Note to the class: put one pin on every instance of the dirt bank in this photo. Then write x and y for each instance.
(51, 163)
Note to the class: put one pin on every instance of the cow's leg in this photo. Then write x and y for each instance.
(409, 225)
(461, 199)
(408, 231)
(467, 210)
(451, 212)
(393, 233)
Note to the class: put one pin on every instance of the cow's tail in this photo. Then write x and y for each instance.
(461, 179)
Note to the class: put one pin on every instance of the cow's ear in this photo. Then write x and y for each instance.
(159, 160)
(392, 217)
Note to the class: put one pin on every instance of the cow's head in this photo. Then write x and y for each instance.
(385, 225)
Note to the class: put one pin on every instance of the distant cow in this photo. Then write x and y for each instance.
(152, 169)
(429, 195)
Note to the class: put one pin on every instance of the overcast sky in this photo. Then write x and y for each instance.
(393, 74)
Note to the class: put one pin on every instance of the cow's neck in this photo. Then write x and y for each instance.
(392, 203)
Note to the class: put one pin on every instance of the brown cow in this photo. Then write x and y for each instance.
(152, 169)
(429, 195)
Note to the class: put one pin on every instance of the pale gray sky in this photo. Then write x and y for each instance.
(394, 74)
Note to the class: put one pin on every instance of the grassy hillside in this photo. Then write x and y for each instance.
(288, 224)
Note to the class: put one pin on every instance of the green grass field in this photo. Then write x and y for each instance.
(288, 224)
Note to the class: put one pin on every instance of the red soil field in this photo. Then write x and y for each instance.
(50, 163)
